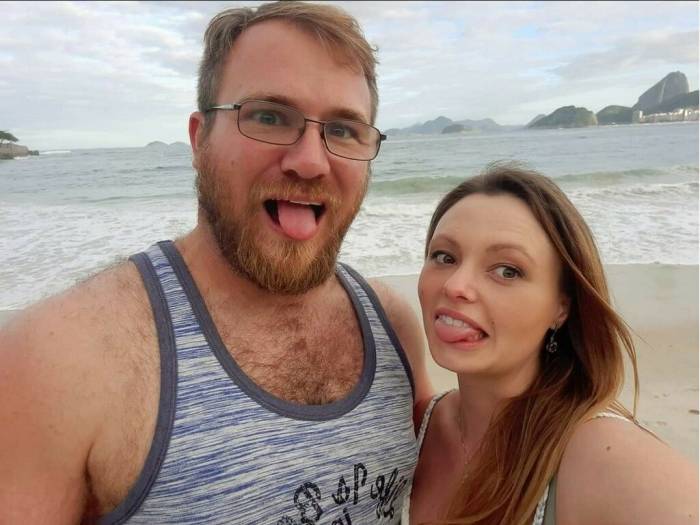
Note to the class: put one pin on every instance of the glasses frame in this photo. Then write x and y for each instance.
(236, 106)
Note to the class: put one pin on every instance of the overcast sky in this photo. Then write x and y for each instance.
(82, 75)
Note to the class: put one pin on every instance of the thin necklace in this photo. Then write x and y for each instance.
(461, 436)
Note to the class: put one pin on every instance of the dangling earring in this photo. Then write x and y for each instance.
(552, 345)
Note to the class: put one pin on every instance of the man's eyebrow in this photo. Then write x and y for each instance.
(510, 246)
(337, 113)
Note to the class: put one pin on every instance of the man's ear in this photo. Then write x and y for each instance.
(196, 129)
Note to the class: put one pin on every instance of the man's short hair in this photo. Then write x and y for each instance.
(335, 29)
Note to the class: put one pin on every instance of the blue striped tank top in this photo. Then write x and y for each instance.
(227, 452)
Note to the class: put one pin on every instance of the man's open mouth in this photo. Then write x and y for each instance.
(298, 219)
(272, 207)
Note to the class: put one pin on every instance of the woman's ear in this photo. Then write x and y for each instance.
(562, 313)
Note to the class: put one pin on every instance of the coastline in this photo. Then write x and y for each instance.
(660, 304)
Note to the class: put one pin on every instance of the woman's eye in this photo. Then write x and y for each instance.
(507, 272)
(442, 258)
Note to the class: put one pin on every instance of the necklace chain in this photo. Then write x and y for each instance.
(461, 436)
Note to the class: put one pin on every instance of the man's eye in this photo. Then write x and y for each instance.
(340, 130)
(269, 118)
(507, 272)
(442, 257)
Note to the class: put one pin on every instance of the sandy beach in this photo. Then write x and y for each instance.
(660, 303)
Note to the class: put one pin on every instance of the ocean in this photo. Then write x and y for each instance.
(67, 214)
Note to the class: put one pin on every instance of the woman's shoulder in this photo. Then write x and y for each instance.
(614, 471)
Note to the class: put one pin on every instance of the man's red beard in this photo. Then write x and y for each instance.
(278, 265)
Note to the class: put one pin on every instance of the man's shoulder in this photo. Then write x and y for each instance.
(68, 367)
(87, 306)
(80, 323)
(401, 311)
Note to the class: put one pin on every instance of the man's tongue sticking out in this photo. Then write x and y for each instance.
(297, 220)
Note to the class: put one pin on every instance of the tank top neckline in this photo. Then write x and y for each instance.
(273, 403)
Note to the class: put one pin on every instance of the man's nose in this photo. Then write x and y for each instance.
(462, 285)
(308, 158)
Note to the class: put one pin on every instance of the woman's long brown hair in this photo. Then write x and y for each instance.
(524, 443)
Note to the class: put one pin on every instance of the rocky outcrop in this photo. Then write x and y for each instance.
(538, 117)
(453, 128)
(438, 125)
(567, 117)
(672, 85)
(614, 115)
(687, 100)
(10, 151)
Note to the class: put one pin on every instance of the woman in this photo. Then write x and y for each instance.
(515, 302)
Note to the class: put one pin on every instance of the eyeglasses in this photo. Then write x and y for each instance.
(283, 125)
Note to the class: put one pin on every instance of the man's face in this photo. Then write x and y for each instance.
(279, 213)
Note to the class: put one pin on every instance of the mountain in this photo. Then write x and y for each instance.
(160, 145)
(538, 117)
(454, 128)
(156, 144)
(670, 86)
(686, 100)
(567, 117)
(614, 115)
(439, 124)
(429, 127)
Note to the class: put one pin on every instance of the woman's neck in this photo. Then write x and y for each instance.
(479, 401)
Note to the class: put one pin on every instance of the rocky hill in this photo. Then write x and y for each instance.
(685, 100)
(160, 145)
(614, 115)
(538, 117)
(439, 125)
(672, 85)
(454, 128)
(667, 95)
(567, 117)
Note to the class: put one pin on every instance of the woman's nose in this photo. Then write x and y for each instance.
(462, 286)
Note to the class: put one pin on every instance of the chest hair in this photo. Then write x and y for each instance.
(309, 356)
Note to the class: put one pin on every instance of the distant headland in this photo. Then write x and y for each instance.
(158, 145)
(669, 100)
(10, 150)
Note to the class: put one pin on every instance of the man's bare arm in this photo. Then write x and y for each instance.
(409, 330)
(44, 439)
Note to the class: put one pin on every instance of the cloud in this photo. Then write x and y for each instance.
(638, 51)
(118, 74)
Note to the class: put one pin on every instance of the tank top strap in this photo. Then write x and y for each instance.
(405, 516)
(365, 299)
(223, 444)
(426, 417)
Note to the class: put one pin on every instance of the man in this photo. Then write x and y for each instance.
(237, 375)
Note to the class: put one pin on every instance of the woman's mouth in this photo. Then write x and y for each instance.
(453, 329)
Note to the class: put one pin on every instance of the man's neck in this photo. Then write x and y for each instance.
(219, 283)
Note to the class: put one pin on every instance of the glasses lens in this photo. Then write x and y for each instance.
(352, 139)
(270, 122)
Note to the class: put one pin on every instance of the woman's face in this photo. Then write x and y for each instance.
(489, 290)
